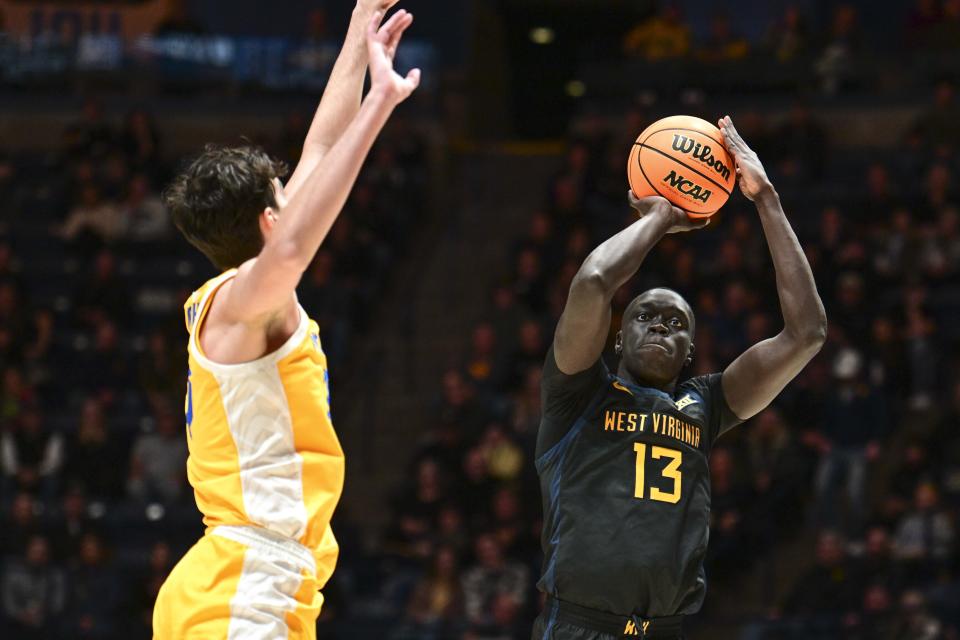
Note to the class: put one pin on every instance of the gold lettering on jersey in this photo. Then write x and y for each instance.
(670, 426)
(624, 421)
(631, 628)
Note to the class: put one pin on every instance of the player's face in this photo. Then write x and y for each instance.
(656, 337)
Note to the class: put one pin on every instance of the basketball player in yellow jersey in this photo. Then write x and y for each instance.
(265, 463)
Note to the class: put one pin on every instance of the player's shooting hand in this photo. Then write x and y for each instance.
(751, 175)
(382, 45)
(655, 205)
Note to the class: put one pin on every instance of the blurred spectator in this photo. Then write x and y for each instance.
(94, 596)
(945, 33)
(723, 43)
(103, 294)
(92, 136)
(914, 621)
(161, 371)
(825, 592)
(923, 17)
(938, 125)
(158, 461)
(106, 365)
(493, 586)
(801, 144)
(436, 605)
(145, 219)
(140, 141)
(779, 473)
(788, 39)
(38, 351)
(417, 511)
(20, 526)
(730, 542)
(70, 524)
(145, 587)
(836, 65)
(94, 455)
(853, 423)
(925, 536)
(32, 455)
(34, 591)
(93, 221)
(875, 616)
(663, 35)
(481, 364)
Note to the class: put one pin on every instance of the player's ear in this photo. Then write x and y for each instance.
(618, 344)
(689, 360)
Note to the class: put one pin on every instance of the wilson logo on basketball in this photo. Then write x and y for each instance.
(700, 152)
(688, 187)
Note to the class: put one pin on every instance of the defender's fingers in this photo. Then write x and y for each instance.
(413, 79)
(374, 26)
(398, 30)
(387, 28)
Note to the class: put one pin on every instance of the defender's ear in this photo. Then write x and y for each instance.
(267, 219)
(618, 345)
(689, 359)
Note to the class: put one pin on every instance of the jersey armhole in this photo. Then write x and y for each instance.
(206, 302)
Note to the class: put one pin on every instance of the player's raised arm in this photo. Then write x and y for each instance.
(753, 380)
(341, 97)
(585, 322)
(266, 283)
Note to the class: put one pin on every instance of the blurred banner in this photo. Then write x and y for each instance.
(208, 61)
(70, 19)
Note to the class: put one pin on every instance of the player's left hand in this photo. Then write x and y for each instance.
(751, 175)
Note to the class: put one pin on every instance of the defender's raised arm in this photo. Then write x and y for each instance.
(753, 380)
(341, 97)
(265, 284)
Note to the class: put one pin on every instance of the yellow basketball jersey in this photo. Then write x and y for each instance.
(262, 446)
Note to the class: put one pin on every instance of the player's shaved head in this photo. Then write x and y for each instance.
(655, 340)
(666, 291)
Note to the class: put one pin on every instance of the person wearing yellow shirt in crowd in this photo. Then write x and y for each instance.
(659, 37)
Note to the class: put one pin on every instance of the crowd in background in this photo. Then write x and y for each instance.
(839, 502)
(95, 504)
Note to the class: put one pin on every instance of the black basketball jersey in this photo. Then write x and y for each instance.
(626, 490)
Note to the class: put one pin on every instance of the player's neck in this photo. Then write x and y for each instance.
(624, 374)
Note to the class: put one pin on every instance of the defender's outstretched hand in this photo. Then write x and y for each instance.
(382, 47)
(679, 220)
(378, 5)
(751, 175)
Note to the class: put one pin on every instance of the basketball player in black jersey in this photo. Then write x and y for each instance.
(622, 457)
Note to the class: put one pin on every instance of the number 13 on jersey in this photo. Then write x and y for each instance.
(672, 471)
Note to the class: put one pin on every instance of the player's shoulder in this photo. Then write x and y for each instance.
(199, 302)
(696, 390)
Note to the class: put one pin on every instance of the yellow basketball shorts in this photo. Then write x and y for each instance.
(240, 583)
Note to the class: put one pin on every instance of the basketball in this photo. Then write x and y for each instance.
(682, 158)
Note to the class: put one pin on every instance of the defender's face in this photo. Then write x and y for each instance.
(656, 336)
